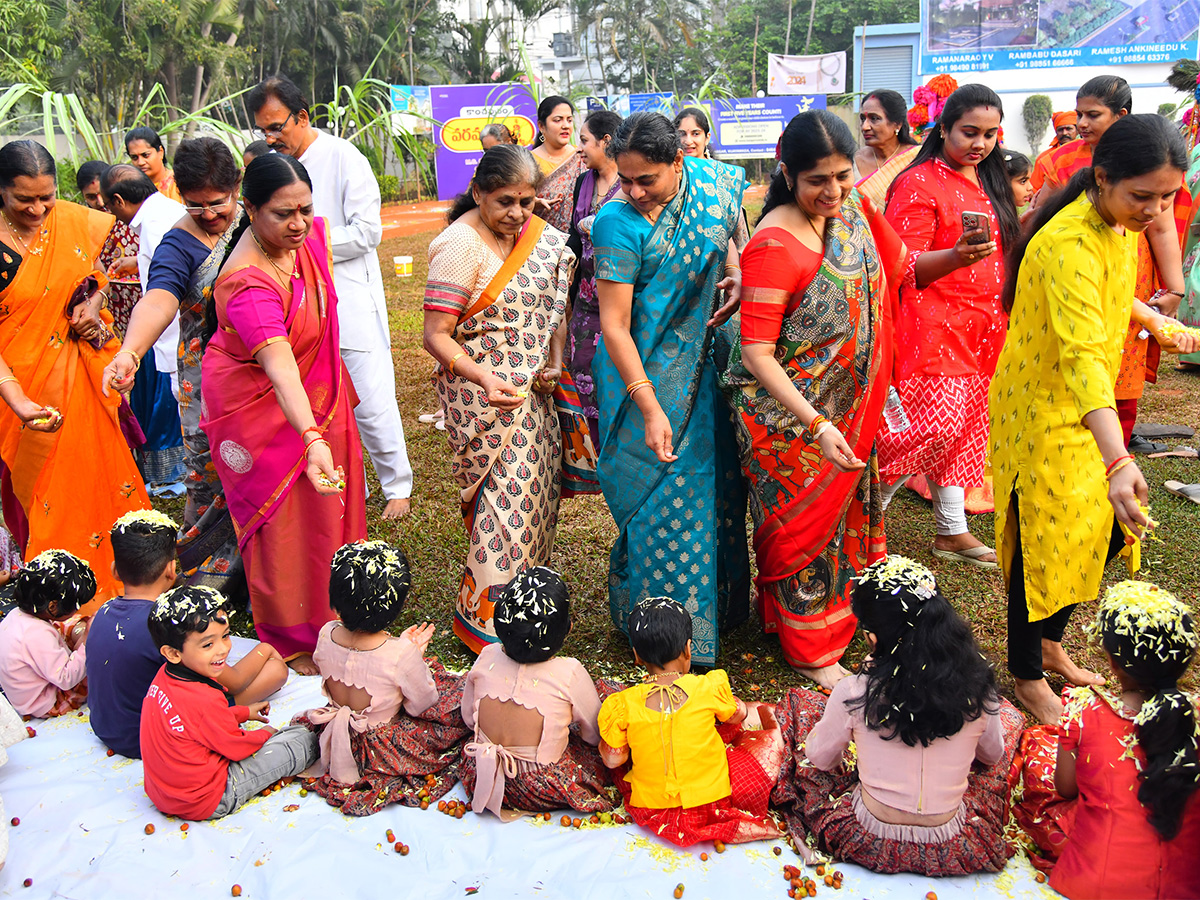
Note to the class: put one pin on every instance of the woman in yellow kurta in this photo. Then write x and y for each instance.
(1059, 462)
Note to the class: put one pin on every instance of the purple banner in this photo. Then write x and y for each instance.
(461, 110)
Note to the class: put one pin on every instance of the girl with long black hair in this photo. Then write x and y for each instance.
(921, 711)
(1132, 759)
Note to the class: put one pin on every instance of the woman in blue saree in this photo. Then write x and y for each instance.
(668, 459)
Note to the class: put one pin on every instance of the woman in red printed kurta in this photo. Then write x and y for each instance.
(951, 324)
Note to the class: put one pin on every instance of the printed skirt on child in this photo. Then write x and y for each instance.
(410, 759)
(579, 781)
(754, 758)
(828, 806)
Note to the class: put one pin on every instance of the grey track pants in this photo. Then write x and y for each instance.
(289, 751)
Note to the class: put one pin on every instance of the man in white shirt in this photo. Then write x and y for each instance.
(346, 193)
(131, 196)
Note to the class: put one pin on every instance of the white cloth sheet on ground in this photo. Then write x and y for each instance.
(83, 814)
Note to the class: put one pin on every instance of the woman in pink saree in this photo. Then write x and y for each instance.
(278, 408)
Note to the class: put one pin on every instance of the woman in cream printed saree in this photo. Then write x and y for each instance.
(494, 308)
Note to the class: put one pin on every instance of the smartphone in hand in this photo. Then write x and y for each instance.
(973, 221)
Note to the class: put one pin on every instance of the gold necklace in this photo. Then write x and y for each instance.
(284, 277)
(12, 229)
(496, 238)
(880, 162)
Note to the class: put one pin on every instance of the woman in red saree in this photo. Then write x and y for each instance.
(559, 161)
(278, 408)
(67, 473)
(808, 380)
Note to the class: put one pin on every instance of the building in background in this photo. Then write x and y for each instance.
(889, 56)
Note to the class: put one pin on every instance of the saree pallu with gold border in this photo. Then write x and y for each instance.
(287, 532)
(682, 523)
(815, 527)
(64, 489)
(875, 186)
(507, 464)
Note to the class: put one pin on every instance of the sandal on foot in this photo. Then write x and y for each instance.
(429, 418)
(969, 556)
(1186, 491)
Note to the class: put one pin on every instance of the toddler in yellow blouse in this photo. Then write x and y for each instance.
(683, 777)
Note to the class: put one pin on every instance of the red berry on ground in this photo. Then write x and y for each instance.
(184, 826)
(28, 882)
(398, 847)
(111, 752)
(236, 890)
(14, 821)
(149, 829)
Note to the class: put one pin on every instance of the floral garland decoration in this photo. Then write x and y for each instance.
(150, 518)
(894, 573)
(928, 102)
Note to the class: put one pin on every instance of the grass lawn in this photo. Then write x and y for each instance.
(432, 535)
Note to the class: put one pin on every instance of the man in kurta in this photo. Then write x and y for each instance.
(346, 193)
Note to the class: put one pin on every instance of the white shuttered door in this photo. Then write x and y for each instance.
(888, 67)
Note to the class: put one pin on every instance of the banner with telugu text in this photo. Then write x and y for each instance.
(461, 110)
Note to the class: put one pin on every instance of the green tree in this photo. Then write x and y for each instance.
(29, 40)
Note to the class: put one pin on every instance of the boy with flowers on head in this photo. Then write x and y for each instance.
(199, 762)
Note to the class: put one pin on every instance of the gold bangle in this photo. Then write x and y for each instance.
(7, 378)
(637, 387)
(729, 266)
(630, 388)
(310, 444)
(455, 358)
(821, 429)
(137, 360)
(1122, 464)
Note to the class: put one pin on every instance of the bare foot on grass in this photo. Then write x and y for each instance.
(826, 676)
(304, 665)
(1039, 700)
(397, 509)
(1055, 659)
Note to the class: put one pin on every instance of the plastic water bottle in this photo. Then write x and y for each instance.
(893, 412)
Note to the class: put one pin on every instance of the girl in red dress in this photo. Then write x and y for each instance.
(1132, 760)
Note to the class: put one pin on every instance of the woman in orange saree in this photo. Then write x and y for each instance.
(494, 307)
(278, 408)
(808, 379)
(67, 472)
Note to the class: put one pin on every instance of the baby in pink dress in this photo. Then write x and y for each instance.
(42, 672)
(391, 730)
(522, 700)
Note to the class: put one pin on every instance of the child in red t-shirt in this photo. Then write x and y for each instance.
(199, 763)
